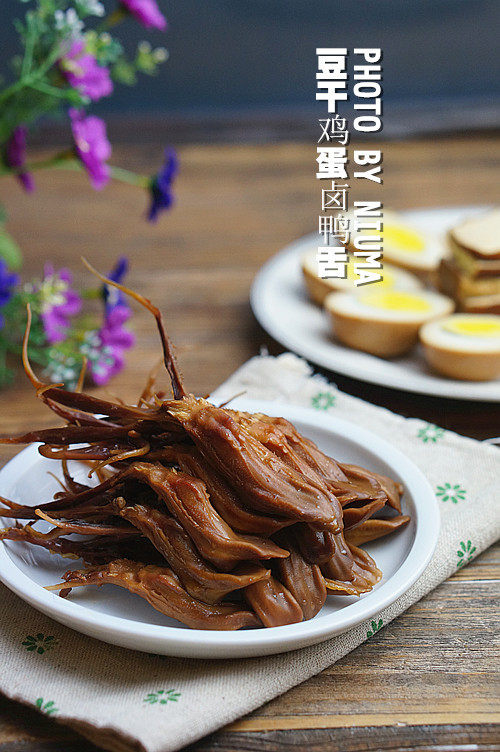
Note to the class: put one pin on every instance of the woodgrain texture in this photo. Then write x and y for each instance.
(428, 681)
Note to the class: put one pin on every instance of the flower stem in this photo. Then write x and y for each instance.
(58, 160)
(67, 161)
(28, 50)
(32, 78)
(47, 89)
(117, 173)
(11, 90)
(126, 176)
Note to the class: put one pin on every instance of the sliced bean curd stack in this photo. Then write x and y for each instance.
(219, 519)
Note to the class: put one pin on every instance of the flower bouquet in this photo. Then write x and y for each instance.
(63, 339)
(71, 57)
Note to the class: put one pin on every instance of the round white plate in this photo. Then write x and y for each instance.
(114, 615)
(282, 307)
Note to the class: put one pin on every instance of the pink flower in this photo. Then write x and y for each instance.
(106, 348)
(83, 72)
(92, 146)
(15, 156)
(58, 303)
(146, 12)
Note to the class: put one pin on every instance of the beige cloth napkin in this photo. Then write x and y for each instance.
(124, 700)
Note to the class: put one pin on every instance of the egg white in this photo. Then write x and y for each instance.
(434, 247)
(361, 306)
(392, 276)
(436, 334)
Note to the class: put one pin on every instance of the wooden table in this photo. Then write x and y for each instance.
(427, 681)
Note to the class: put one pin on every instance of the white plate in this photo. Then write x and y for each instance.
(114, 615)
(282, 307)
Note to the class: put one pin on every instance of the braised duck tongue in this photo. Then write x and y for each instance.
(162, 589)
(187, 500)
(273, 603)
(303, 580)
(199, 578)
(261, 479)
(372, 529)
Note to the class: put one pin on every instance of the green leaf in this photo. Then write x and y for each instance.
(10, 251)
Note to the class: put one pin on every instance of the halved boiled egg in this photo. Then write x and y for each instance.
(403, 243)
(464, 346)
(384, 322)
(319, 288)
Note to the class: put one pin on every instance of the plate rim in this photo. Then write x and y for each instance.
(439, 388)
(216, 644)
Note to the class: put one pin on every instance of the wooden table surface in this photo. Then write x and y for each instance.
(426, 681)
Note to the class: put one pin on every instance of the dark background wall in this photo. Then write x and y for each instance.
(440, 56)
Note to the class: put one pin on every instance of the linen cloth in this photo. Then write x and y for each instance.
(124, 700)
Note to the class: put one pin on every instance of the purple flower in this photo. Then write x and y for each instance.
(106, 348)
(83, 72)
(92, 146)
(146, 12)
(15, 156)
(161, 185)
(58, 303)
(7, 283)
(112, 296)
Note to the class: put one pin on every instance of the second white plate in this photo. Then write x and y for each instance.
(282, 307)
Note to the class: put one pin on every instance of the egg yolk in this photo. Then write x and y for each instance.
(396, 301)
(400, 238)
(388, 279)
(403, 239)
(474, 327)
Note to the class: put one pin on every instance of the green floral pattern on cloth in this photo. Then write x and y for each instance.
(323, 400)
(40, 643)
(49, 708)
(451, 492)
(162, 696)
(465, 553)
(376, 626)
(430, 433)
